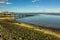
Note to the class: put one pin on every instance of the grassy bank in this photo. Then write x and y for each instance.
(10, 29)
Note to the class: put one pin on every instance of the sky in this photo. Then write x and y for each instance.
(32, 6)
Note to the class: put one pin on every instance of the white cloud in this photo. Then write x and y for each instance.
(35, 0)
(8, 3)
(2, 2)
(5, 2)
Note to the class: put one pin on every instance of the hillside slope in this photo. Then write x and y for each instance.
(12, 30)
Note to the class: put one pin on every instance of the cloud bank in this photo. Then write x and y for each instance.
(42, 10)
(53, 10)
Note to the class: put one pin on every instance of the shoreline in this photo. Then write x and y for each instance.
(40, 28)
(11, 21)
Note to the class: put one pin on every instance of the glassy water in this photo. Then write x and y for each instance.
(45, 20)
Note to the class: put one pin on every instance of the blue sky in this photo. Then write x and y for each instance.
(32, 6)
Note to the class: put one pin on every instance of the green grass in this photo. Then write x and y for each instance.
(9, 31)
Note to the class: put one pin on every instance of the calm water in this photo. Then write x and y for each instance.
(45, 20)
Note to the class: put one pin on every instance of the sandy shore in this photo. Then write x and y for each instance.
(37, 29)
